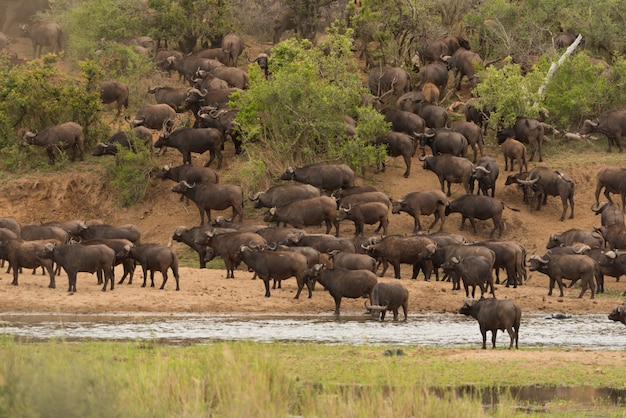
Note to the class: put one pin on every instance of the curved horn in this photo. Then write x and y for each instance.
(254, 197)
(272, 246)
(191, 186)
(528, 182)
(483, 169)
(591, 123)
(422, 157)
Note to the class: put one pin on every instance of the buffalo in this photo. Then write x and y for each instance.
(152, 116)
(388, 80)
(612, 180)
(74, 258)
(277, 265)
(473, 271)
(611, 123)
(486, 173)
(232, 45)
(44, 34)
(398, 144)
(472, 133)
(227, 245)
(566, 266)
(444, 141)
(397, 249)
(618, 314)
(125, 140)
(153, 257)
(576, 236)
(492, 315)
(212, 196)
(323, 176)
(479, 207)
(610, 214)
(197, 140)
(305, 212)
(23, 253)
(114, 91)
(450, 169)
(422, 203)
(513, 150)
(365, 213)
(546, 182)
(342, 283)
(191, 236)
(282, 194)
(65, 136)
(527, 131)
(388, 297)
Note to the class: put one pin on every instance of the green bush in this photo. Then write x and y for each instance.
(296, 117)
(129, 173)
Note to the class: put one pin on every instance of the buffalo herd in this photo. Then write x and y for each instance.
(325, 193)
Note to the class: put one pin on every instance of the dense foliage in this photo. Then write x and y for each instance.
(296, 116)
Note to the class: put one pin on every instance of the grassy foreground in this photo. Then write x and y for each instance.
(245, 379)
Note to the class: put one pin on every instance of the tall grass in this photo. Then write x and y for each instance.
(244, 379)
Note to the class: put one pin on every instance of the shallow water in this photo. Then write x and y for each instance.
(589, 331)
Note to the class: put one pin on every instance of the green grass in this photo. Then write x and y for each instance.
(245, 379)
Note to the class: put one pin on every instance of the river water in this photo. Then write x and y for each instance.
(589, 331)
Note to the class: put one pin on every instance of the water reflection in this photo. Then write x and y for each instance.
(590, 331)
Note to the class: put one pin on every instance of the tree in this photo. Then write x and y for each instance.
(296, 117)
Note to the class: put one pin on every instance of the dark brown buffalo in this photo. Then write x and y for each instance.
(473, 113)
(610, 214)
(492, 315)
(154, 257)
(209, 197)
(614, 235)
(527, 131)
(282, 194)
(323, 176)
(119, 246)
(612, 180)
(398, 144)
(618, 314)
(397, 249)
(125, 140)
(114, 92)
(189, 173)
(435, 73)
(543, 182)
(446, 250)
(444, 141)
(422, 203)
(479, 207)
(22, 253)
(404, 121)
(196, 140)
(129, 232)
(191, 236)
(611, 123)
(486, 173)
(473, 271)
(473, 133)
(388, 80)
(306, 212)
(450, 169)
(510, 256)
(364, 213)
(388, 297)
(323, 243)
(152, 116)
(65, 136)
(573, 236)
(352, 261)
(232, 45)
(75, 258)
(343, 283)
(226, 245)
(565, 266)
(464, 63)
(277, 265)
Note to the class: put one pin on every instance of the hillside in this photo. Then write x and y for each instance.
(80, 192)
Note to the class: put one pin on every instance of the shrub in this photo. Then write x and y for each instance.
(129, 173)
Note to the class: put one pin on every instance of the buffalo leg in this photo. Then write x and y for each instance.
(483, 331)
(164, 274)
(266, 282)
(494, 332)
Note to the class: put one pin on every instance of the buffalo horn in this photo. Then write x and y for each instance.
(179, 230)
(455, 260)
(422, 157)
(272, 246)
(590, 122)
(484, 169)
(254, 197)
(190, 186)
(611, 254)
(528, 182)
(273, 211)
(581, 248)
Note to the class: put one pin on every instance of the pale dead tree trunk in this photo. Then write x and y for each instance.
(556, 65)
